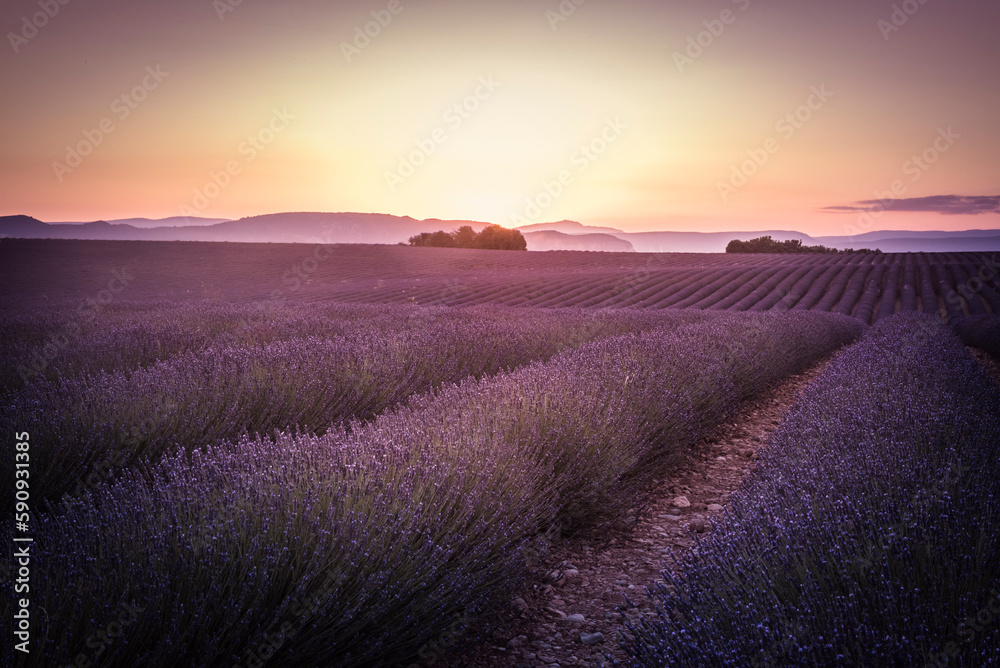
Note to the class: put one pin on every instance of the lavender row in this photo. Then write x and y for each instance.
(982, 331)
(93, 425)
(870, 290)
(887, 305)
(864, 309)
(908, 293)
(64, 339)
(362, 546)
(870, 533)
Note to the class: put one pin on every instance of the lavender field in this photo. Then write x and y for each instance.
(341, 474)
(869, 534)
(867, 286)
(521, 334)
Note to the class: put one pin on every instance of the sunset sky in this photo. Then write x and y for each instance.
(673, 114)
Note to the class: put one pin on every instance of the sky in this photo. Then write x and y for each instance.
(829, 118)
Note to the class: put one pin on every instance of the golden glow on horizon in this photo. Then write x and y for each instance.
(485, 112)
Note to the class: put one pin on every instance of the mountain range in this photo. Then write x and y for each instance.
(374, 228)
(144, 223)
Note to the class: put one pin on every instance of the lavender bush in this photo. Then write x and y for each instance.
(655, 298)
(63, 341)
(786, 295)
(393, 528)
(95, 423)
(929, 302)
(852, 293)
(869, 535)
(835, 290)
(982, 331)
(890, 293)
(953, 304)
(908, 291)
(864, 308)
(818, 289)
(708, 287)
(976, 301)
(772, 290)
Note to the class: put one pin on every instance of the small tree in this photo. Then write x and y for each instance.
(766, 244)
(464, 237)
(439, 239)
(494, 237)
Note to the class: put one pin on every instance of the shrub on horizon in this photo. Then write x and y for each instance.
(492, 237)
(766, 244)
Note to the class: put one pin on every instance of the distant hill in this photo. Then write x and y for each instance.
(892, 241)
(31, 228)
(665, 242)
(569, 227)
(376, 228)
(702, 242)
(908, 241)
(958, 244)
(715, 242)
(551, 240)
(145, 223)
(318, 228)
(883, 235)
(360, 228)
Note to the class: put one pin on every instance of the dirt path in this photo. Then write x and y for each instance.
(594, 578)
(990, 364)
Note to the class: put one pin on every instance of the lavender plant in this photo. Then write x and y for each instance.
(980, 331)
(393, 528)
(890, 293)
(908, 291)
(870, 533)
(110, 420)
(62, 340)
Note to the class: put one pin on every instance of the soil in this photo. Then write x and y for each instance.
(598, 576)
(991, 364)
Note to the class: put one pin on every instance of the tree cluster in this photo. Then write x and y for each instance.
(768, 245)
(493, 237)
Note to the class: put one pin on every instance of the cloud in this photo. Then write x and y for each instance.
(951, 205)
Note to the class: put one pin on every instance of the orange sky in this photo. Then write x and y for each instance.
(684, 115)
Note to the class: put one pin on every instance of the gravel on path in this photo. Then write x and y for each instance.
(590, 585)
